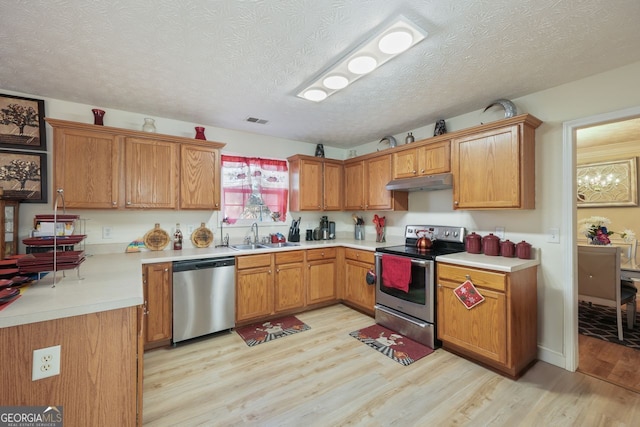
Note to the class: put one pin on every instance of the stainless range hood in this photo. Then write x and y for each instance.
(441, 181)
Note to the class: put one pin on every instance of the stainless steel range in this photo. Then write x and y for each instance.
(406, 295)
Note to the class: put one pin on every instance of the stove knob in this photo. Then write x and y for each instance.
(455, 234)
(446, 233)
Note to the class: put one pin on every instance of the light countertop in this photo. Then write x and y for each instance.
(496, 263)
(113, 281)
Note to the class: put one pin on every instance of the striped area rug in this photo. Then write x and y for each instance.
(261, 332)
(600, 322)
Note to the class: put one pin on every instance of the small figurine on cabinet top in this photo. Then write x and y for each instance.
(440, 128)
(319, 150)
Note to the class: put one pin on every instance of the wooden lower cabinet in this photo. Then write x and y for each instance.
(321, 275)
(268, 284)
(99, 366)
(157, 284)
(289, 281)
(500, 332)
(357, 292)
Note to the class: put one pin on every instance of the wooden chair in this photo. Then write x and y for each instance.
(599, 282)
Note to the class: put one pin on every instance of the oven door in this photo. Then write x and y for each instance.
(419, 300)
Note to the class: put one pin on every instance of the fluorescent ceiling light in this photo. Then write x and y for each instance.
(386, 44)
(362, 64)
(395, 42)
(335, 82)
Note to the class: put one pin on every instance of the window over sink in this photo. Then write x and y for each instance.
(254, 189)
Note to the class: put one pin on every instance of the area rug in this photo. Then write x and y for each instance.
(393, 345)
(261, 332)
(600, 322)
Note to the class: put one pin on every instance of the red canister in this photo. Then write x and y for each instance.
(473, 243)
(491, 245)
(508, 249)
(523, 250)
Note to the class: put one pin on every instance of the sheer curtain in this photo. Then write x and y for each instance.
(254, 189)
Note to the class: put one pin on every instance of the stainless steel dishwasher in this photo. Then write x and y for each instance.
(204, 297)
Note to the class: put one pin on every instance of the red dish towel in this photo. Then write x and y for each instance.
(396, 272)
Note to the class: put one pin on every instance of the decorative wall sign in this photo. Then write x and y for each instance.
(24, 174)
(612, 183)
(22, 123)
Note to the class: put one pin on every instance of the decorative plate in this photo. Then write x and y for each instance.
(156, 239)
(202, 237)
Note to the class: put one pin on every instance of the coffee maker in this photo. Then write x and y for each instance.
(324, 227)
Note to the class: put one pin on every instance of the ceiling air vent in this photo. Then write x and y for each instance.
(256, 120)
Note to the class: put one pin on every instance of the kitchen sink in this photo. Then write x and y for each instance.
(280, 245)
(246, 246)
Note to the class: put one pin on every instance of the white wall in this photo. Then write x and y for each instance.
(610, 91)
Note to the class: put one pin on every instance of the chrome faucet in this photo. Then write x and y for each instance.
(255, 232)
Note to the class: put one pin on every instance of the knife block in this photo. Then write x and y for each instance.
(293, 237)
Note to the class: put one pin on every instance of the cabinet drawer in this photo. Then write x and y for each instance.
(482, 278)
(251, 261)
(316, 254)
(358, 255)
(289, 257)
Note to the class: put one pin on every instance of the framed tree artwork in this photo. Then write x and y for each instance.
(23, 174)
(22, 123)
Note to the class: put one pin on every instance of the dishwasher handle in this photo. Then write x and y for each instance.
(201, 264)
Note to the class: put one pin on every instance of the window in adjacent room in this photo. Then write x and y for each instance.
(254, 189)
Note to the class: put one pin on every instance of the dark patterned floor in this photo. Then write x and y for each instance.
(600, 322)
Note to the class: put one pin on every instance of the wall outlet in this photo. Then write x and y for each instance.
(190, 229)
(500, 232)
(553, 235)
(46, 363)
(107, 233)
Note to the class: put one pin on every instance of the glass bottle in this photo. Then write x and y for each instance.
(177, 238)
(149, 125)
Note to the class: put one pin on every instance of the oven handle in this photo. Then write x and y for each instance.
(400, 315)
(420, 262)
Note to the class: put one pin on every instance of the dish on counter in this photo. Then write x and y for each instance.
(8, 294)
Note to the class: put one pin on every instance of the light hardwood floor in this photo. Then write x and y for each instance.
(324, 377)
(611, 362)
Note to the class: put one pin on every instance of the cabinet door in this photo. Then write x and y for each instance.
(377, 175)
(487, 170)
(356, 289)
(254, 293)
(151, 174)
(332, 186)
(434, 158)
(321, 281)
(289, 286)
(157, 287)
(86, 167)
(405, 164)
(310, 185)
(199, 177)
(482, 329)
(354, 186)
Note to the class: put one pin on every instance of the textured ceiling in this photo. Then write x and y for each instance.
(216, 62)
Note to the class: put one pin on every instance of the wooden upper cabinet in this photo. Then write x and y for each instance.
(377, 197)
(199, 177)
(428, 159)
(86, 167)
(315, 184)
(332, 185)
(354, 185)
(495, 169)
(151, 171)
(101, 167)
